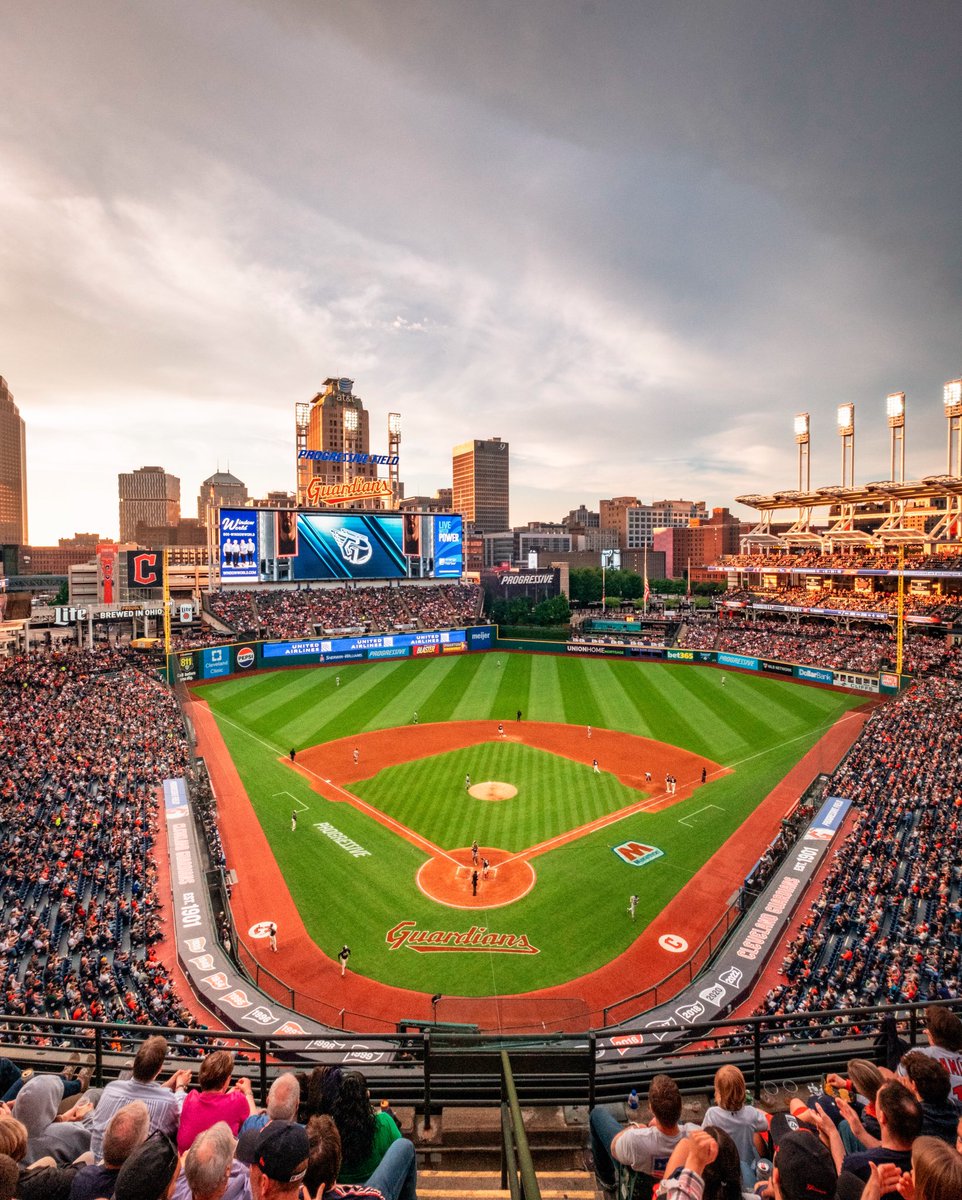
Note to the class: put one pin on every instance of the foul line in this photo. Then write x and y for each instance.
(574, 835)
(684, 820)
(356, 802)
(293, 799)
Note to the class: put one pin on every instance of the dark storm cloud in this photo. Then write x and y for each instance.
(631, 238)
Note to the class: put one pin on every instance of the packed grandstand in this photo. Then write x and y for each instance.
(87, 737)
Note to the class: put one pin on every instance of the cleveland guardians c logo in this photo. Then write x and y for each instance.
(146, 569)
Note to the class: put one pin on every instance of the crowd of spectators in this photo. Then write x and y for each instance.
(853, 560)
(872, 1134)
(867, 648)
(144, 1138)
(886, 926)
(85, 738)
(308, 612)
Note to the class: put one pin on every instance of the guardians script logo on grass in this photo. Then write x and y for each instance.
(429, 941)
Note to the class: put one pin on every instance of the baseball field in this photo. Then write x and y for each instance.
(401, 766)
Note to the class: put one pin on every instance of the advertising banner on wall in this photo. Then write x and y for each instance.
(107, 589)
(507, 585)
(699, 656)
(813, 674)
(594, 649)
(239, 545)
(216, 661)
(350, 546)
(743, 661)
(447, 540)
(372, 644)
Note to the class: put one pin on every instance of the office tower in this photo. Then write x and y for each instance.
(149, 496)
(220, 490)
(334, 431)
(13, 471)
(480, 484)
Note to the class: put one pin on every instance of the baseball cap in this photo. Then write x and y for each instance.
(282, 1151)
(147, 1173)
(805, 1168)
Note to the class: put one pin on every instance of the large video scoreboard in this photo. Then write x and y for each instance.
(265, 545)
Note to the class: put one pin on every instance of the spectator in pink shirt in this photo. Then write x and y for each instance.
(216, 1100)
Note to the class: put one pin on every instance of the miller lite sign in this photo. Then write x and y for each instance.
(145, 569)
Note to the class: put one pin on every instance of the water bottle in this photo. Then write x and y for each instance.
(633, 1101)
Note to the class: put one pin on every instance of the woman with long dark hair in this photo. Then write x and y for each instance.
(365, 1135)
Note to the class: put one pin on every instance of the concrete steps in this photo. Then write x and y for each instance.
(486, 1185)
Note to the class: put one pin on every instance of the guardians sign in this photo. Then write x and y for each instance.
(430, 941)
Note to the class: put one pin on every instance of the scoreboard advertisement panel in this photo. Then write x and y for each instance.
(447, 541)
(287, 545)
(350, 546)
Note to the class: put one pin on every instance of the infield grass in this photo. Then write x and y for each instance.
(576, 913)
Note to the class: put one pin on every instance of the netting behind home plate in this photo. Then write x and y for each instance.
(516, 1014)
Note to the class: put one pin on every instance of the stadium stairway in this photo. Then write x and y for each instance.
(486, 1185)
(460, 1155)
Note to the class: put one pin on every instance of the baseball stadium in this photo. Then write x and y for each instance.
(345, 820)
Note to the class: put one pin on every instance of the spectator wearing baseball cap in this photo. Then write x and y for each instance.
(150, 1172)
(803, 1169)
(280, 1160)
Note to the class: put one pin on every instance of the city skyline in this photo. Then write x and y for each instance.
(633, 240)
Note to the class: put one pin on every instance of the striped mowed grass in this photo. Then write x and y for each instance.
(575, 914)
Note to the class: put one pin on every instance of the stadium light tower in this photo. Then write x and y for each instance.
(394, 450)
(302, 416)
(352, 421)
(846, 431)
(952, 401)
(802, 440)
(895, 411)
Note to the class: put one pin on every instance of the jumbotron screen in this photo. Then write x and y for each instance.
(266, 545)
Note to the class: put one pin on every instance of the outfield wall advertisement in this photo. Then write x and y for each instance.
(216, 662)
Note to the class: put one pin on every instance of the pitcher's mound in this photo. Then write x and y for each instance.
(492, 789)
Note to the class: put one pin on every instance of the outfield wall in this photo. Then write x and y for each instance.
(886, 683)
(240, 658)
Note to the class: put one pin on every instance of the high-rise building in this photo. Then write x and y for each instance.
(480, 484)
(702, 542)
(149, 496)
(636, 523)
(336, 423)
(220, 490)
(13, 471)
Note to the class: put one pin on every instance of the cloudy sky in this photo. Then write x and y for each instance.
(632, 238)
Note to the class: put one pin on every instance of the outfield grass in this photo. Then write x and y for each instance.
(576, 913)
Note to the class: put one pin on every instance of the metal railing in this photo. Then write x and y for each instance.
(517, 1165)
(429, 1071)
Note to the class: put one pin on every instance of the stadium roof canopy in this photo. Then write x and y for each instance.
(932, 487)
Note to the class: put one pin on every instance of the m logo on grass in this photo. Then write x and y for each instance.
(635, 854)
(429, 941)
